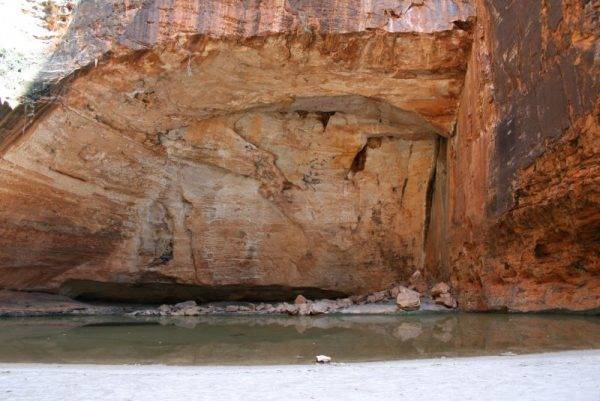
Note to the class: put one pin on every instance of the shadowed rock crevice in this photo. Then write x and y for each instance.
(172, 292)
(324, 117)
(358, 163)
(431, 184)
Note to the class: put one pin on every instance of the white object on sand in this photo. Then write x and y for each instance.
(323, 359)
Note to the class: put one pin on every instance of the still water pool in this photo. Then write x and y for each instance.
(249, 340)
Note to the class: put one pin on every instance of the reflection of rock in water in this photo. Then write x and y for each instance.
(443, 330)
(284, 339)
(408, 331)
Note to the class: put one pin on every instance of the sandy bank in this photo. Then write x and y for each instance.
(554, 376)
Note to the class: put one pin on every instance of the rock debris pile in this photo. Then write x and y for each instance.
(396, 299)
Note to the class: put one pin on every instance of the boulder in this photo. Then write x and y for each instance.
(191, 311)
(263, 307)
(378, 296)
(327, 305)
(187, 308)
(300, 300)
(439, 288)
(408, 299)
(447, 300)
(184, 305)
(187, 311)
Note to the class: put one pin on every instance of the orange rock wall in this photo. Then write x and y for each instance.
(523, 185)
(236, 148)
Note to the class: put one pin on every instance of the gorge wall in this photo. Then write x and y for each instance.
(523, 225)
(257, 150)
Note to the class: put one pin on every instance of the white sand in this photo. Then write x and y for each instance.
(556, 376)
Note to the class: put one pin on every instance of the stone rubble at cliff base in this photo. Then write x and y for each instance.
(396, 299)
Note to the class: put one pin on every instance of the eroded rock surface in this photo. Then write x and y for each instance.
(261, 150)
(232, 151)
(523, 224)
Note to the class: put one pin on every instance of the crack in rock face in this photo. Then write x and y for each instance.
(287, 160)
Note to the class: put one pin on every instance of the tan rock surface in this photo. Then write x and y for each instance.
(227, 150)
(222, 152)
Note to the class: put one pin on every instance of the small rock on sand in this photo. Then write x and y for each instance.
(323, 359)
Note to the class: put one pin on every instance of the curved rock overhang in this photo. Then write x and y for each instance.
(254, 162)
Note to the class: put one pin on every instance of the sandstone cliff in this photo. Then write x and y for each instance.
(523, 225)
(254, 150)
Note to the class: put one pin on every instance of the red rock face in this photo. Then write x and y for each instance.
(524, 223)
(214, 150)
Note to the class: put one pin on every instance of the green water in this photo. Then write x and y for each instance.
(282, 340)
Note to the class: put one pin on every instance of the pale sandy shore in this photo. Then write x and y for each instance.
(553, 376)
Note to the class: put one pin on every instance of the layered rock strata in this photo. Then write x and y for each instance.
(260, 150)
(215, 150)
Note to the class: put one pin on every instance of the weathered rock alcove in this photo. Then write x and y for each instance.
(234, 166)
(220, 149)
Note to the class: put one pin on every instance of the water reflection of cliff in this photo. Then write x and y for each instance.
(249, 340)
